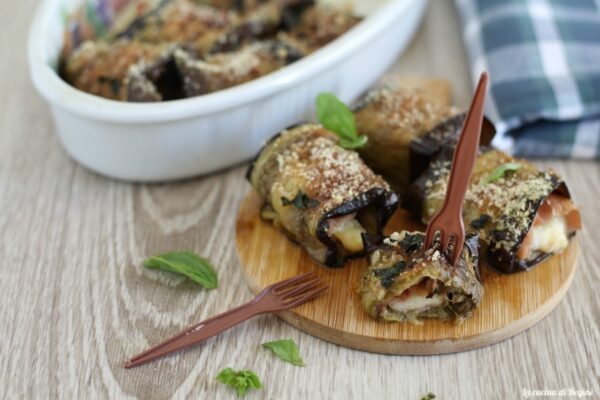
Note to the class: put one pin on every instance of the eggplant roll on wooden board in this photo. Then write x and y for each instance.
(403, 284)
(522, 214)
(405, 132)
(321, 195)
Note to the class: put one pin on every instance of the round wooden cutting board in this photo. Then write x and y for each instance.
(511, 303)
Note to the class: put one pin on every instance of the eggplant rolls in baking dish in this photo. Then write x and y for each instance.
(174, 49)
(401, 284)
(322, 196)
(522, 214)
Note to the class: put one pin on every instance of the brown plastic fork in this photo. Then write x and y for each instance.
(448, 222)
(280, 296)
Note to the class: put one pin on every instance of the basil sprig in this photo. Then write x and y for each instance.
(337, 117)
(287, 350)
(241, 381)
(501, 170)
(198, 269)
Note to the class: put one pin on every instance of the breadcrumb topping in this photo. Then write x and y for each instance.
(511, 201)
(405, 109)
(333, 175)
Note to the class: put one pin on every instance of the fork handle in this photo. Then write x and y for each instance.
(458, 182)
(463, 162)
(200, 332)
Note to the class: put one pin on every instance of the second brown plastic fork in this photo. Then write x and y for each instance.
(280, 296)
(449, 221)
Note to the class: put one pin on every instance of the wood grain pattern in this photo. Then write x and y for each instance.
(511, 303)
(75, 301)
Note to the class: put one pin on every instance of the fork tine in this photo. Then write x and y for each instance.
(292, 280)
(431, 236)
(446, 241)
(308, 296)
(457, 249)
(300, 288)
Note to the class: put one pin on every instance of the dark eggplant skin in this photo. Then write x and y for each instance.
(379, 200)
(500, 257)
(385, 202)
(506, 260)
(259, 28)
(376, 242)
(424, 148)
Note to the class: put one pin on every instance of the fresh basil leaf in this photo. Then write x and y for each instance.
(428, 396)
(355, 143)
(335, 115)
(198, 269)
(287, 350)
(338, 118)
(411, 243)
(241, 381)
(301, 201)
(388, 275)
(501, 170)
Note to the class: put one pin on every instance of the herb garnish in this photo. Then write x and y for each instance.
(241, 381)
(301, 201)
(287, 350)
(411, 243)
(387, 275)
(186, 263)
(501, 170)
(428, 396)
(481, 221)
(337, 117)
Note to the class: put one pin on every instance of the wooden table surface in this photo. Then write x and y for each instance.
(75, 300)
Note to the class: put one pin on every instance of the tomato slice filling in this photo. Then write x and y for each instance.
(555, 220)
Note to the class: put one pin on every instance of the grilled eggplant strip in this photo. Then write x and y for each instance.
(321, 195)
(401, 284)
(405, 132)
(522, 217)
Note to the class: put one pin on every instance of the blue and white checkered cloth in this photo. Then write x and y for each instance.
(543, 57)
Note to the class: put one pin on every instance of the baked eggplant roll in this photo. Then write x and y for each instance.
(101, 68)
(194, 27)
(405, 132)
(403, 284)
(322, 196)
(317, 26)
(223, 70)
(522, 214)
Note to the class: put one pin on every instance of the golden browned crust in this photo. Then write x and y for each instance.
(224, 70)
(182, 22)
(392, 119)
(100, 68)
(320, 25)
(332, 175)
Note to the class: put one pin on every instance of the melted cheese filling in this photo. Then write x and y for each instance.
(550, 236)
(348, 231)
(415, 303)
(418, 297)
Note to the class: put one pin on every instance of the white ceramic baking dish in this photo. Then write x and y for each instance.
(183, 138)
